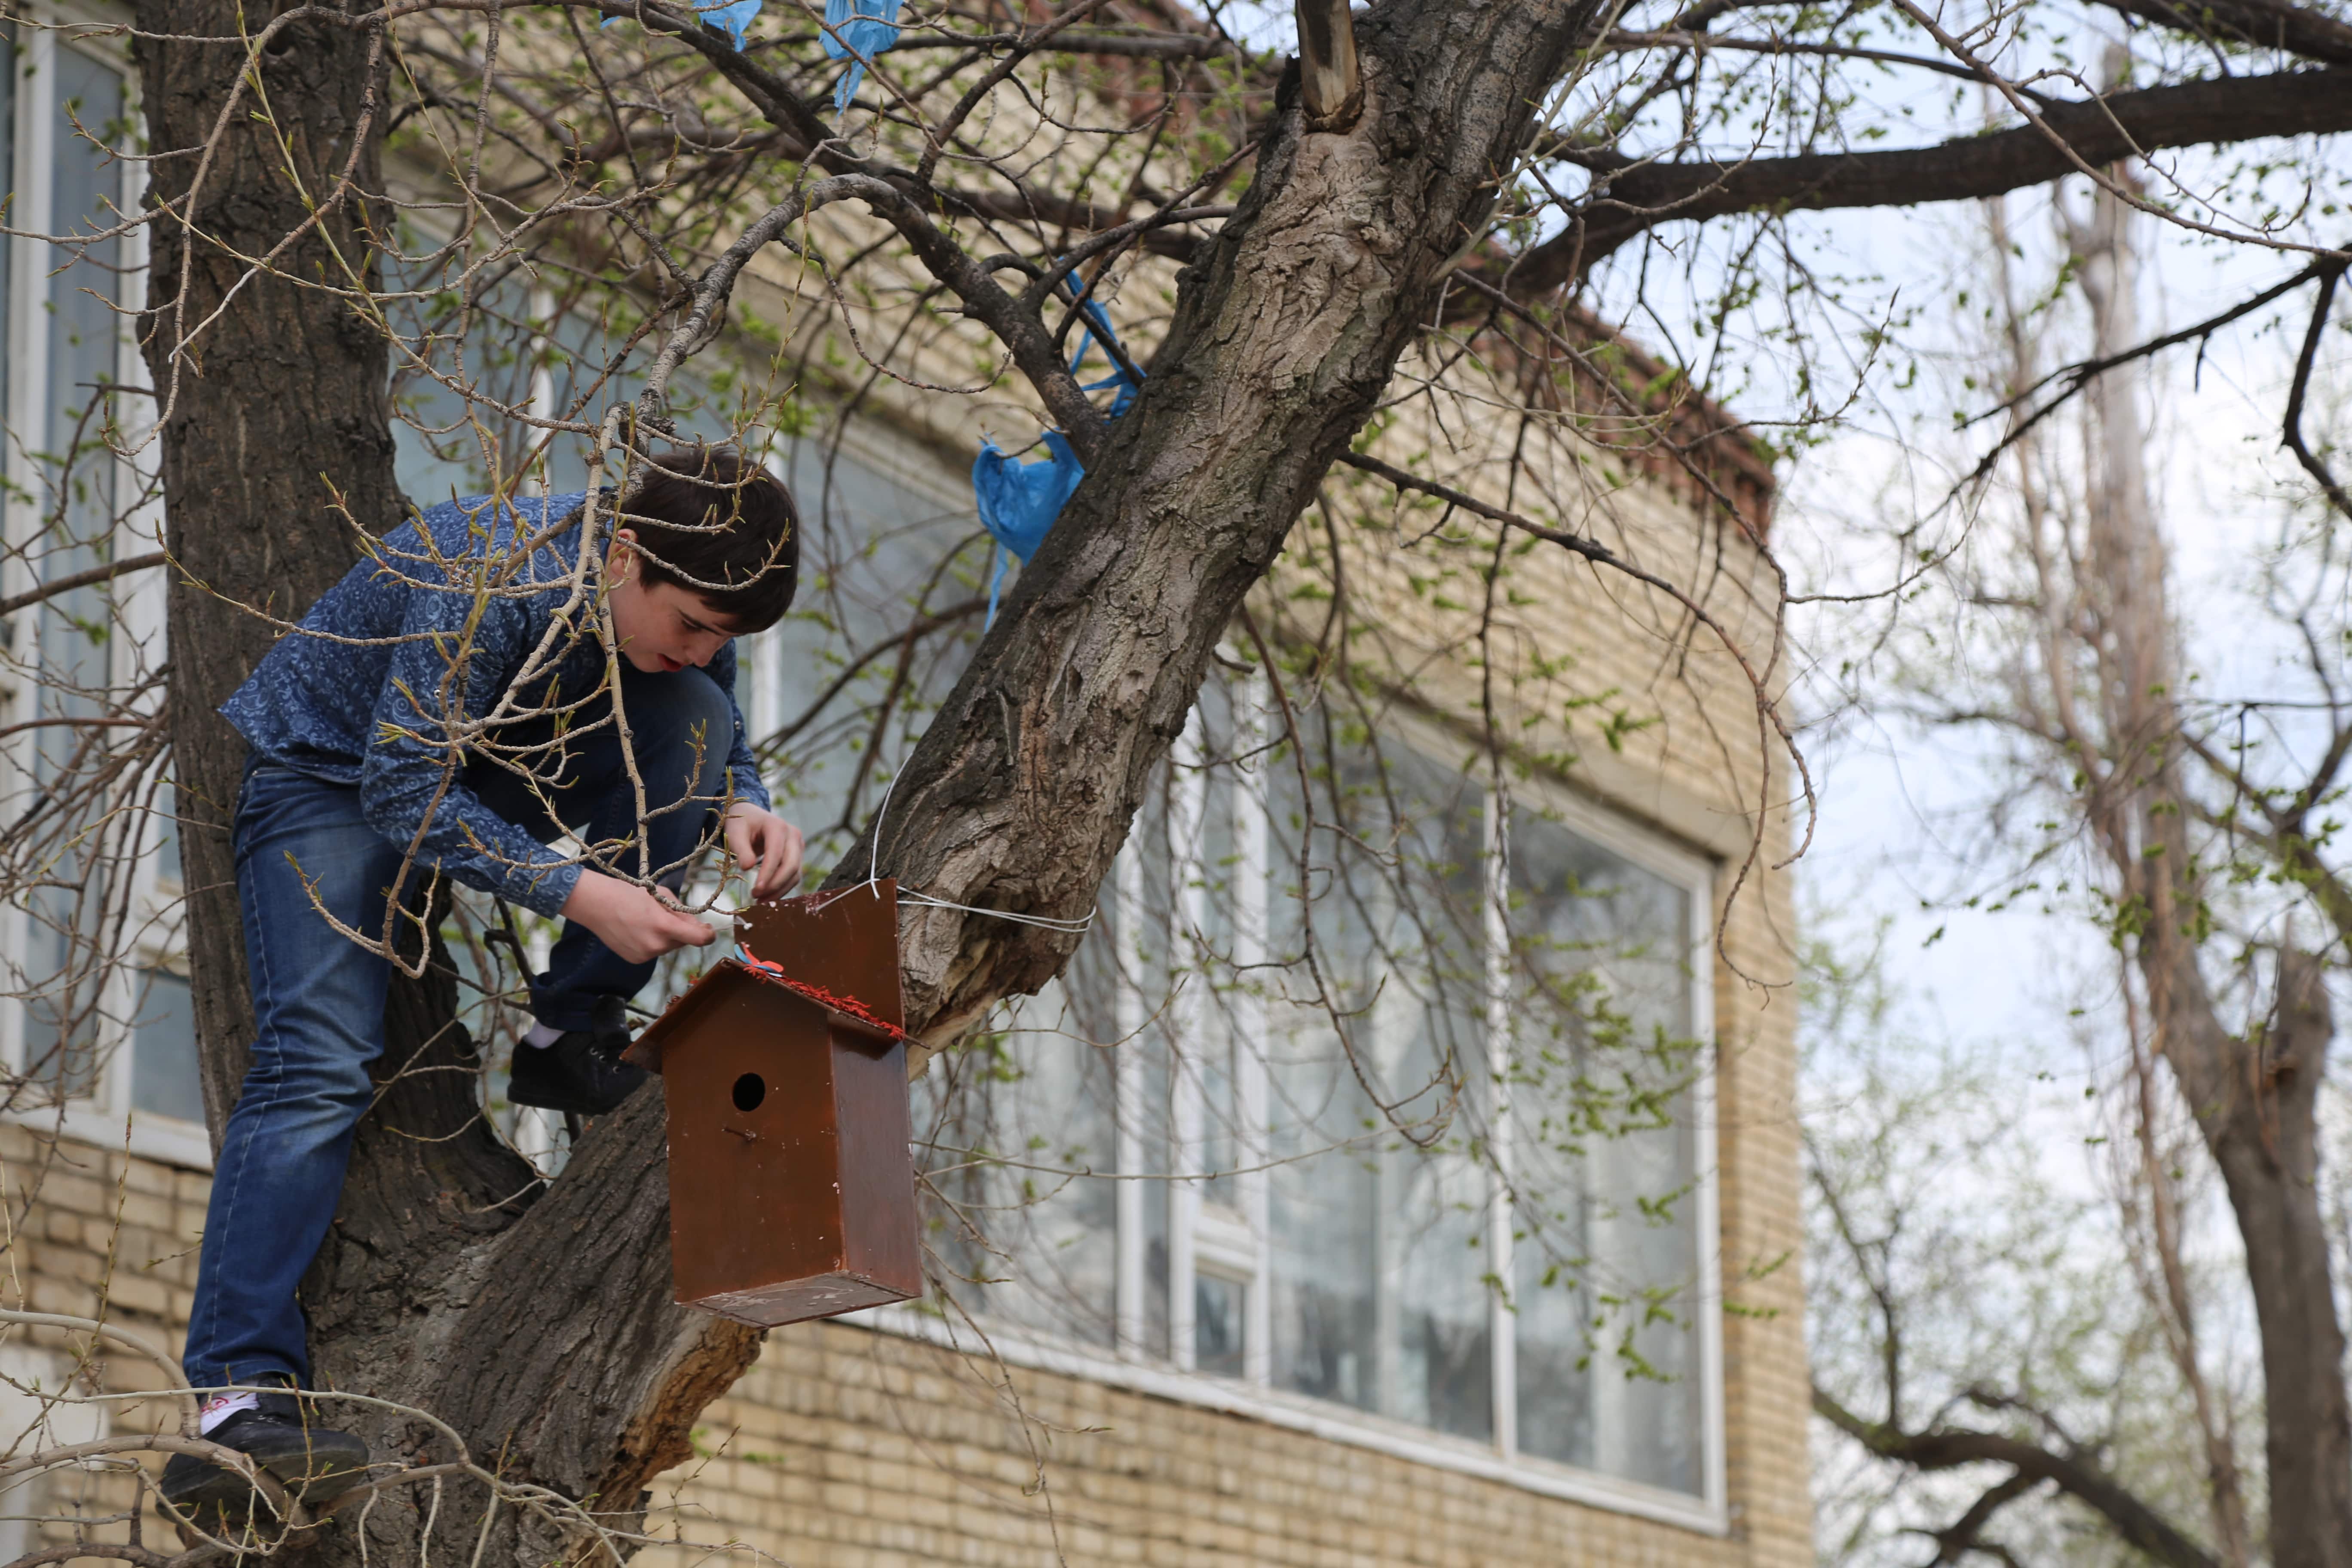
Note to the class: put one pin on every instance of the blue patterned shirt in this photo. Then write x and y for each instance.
(363, 701)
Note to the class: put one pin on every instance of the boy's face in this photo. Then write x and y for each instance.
(662, 626)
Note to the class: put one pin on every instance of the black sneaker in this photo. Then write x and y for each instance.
(314, 1463)
(582, 1071)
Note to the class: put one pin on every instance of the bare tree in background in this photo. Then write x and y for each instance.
(335, 196)
(2197, 827)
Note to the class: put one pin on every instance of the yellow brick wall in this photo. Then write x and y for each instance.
(91, 1233)
(92, 1227)
(847, 1448)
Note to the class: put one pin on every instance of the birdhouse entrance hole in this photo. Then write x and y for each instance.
(750, 1089)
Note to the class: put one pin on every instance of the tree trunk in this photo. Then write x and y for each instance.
(542, 1332)
(2256, 1102)
(2255, 1099)
(2262, 1129)
(278, 411)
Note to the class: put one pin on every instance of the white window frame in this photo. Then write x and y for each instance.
(1236, 1244)
(105, 1116)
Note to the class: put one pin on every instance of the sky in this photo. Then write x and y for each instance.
(1899, 802)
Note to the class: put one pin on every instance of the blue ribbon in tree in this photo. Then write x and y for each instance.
(1019, 501)
(856, 30)
(734, 18)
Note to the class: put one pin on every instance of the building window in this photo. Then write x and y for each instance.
(1360, 1094)
(86, 1034)
(165, 1077)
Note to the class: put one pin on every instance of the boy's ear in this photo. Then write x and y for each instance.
(621, 558)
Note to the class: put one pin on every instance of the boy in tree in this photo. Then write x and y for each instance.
(449, 706)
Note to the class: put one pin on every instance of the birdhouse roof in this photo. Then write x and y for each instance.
(845, 943)
(714, 985)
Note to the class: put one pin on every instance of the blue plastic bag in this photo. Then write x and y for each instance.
(856, 30)
(1019, 501)
(735, 17)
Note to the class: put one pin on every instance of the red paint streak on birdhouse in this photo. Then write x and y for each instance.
(848, 1006)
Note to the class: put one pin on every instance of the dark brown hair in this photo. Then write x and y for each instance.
(711, 521)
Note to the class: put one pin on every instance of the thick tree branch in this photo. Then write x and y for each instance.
(1330, 87)
(1629, 200)
(2265, 23)
(1952, 1447)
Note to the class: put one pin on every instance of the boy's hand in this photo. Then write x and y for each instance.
(635, 924)
(766, 845)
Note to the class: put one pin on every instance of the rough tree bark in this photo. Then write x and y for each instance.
(539, 1326)
(2256, 1100)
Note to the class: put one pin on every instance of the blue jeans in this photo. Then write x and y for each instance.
(318, 997)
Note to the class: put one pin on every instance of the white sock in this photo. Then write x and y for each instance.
(220, 1407)
(540, 1035)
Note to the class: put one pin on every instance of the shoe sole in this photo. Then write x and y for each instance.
(550, 1098)
(311, 1477)
(550, 1102)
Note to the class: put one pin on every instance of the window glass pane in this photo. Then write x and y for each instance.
(1015, 1122)
(1206, 853)
(1437, 1337)
(1219, 1313)
(85, 330)
(165, 1078)
(74, 533)
(877, 553)
(1381, 1297)
(467, 341)
(1150, 1065)
(1608, 1252)
(1325, 1214)
(18, 217)
(1441, 1347)
(1142, 934)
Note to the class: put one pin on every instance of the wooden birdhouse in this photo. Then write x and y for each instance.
(792, 1184)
